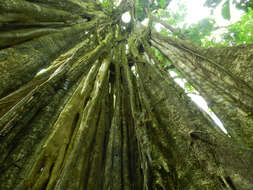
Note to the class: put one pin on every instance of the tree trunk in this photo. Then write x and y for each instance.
(238, 60)
(104, 116)
(229, 96)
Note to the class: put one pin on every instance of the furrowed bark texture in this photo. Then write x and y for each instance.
(227, 91)
(238, 60)
(102, 114)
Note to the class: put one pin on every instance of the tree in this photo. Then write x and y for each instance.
(86, 103)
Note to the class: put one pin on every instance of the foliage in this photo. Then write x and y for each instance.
(241, 4)
(198, 31)
(212, 3)
(87, 106)
(203, 32)
(160, 57)
(225, 11)
(189, 88)
(194, 32)
(107, 5)
(162, 3)
(140, 9)
(244, 4)
(241, 31)
(174, 18)
(142, 5)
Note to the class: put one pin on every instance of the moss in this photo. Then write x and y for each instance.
(90, 122)
(229, 96)
(34, 55)
(32, 13)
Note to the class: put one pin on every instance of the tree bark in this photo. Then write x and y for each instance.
(104, 115)
(229, 96)
(20, 63)
(238, 60)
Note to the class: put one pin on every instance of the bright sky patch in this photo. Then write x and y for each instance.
(126, 17)
(199, 100)
(196, 11)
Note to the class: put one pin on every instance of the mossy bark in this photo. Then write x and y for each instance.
(238, 60)
(104, 117)
(228, 94)
(20, 63)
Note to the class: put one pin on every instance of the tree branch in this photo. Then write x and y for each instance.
(169, 27)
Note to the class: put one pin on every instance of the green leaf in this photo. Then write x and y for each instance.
(167, 63)
(188, 87)
(212, 3)
(163, 3)
(226, 10)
